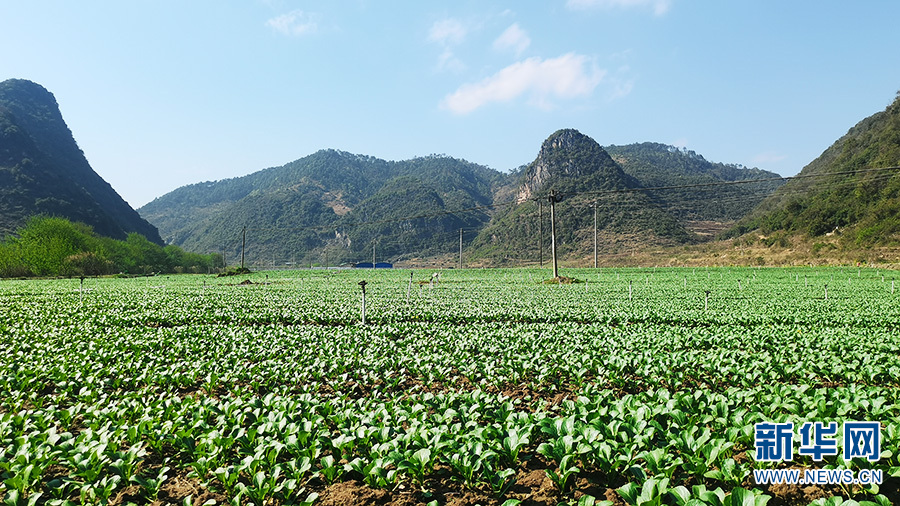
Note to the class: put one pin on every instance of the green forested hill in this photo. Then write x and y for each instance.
(42, 170)
(309, 192)
(656, 165)
(329, 204)
(852, 188)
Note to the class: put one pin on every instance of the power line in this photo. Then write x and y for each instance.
(726, 183)
(728, 199)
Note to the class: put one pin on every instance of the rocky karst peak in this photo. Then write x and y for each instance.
(567, 153)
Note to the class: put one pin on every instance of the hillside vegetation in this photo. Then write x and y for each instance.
(331, 204)
(851, 190)
(49, 246)
(656, 165)
(43, 172)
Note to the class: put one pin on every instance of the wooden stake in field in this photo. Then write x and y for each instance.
(629, 289)
(541, 232)
(243, 245)
(594, 205)
(409, 287)
(706, 302)
(826, 291)
(460, 248)
(362, 284)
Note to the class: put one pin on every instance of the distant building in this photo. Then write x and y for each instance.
(378, 265)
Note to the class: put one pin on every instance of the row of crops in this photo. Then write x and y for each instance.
(639, 386)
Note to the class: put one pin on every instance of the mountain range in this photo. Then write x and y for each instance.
(334, 207)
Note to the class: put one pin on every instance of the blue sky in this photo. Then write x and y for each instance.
(164, 93)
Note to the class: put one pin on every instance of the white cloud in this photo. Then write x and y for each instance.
(565, 77)
(448, 61)
(768, 157)
(448, 32)
(295, 23)
(660, 7)
(621, 89)
(513, 39)
(621, 83)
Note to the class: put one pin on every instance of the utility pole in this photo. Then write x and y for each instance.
(460, 248)
(552, 200)
(373, 253)
(243, 245)
(541, 231)
(594, 205)
(224, 262)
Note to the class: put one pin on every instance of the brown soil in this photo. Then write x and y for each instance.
(796, 494)
(352, 492)
(173, 491)
(533, 487)
(177, 487)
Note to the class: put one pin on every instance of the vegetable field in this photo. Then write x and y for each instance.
(637, 387)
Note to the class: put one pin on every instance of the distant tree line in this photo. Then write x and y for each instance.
(50, 246)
